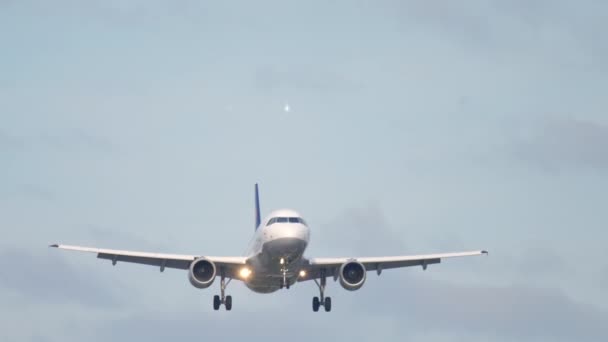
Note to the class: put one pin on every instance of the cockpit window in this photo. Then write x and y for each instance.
(286, 220)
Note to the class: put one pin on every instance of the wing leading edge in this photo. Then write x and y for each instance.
(162, 260)
(332, 265)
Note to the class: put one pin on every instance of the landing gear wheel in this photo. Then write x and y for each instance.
(216, 302)
(327, 304)
(321, 300)
(315, 304)
(228, 303)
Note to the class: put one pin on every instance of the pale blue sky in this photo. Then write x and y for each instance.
(415, 127)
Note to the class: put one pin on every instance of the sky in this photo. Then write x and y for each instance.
(414, 127)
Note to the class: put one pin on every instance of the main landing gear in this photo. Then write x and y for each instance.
(321, 300)
(223, 299)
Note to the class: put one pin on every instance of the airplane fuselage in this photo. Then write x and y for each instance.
(276, 252)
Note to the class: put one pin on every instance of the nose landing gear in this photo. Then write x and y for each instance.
(284, 282)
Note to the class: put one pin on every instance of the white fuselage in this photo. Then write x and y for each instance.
(276, 251)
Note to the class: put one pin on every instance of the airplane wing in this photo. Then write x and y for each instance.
(231, 265)
(332, 265)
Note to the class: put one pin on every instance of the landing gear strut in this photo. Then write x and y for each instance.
(223, 299)
(284, 282)
(321, 300)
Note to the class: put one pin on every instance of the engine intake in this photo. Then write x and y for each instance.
(202, 273)
(352, 275)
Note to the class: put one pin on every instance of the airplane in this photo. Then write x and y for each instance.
(275, 260)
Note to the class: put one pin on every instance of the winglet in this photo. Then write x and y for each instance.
(54, 245)
(258, 219)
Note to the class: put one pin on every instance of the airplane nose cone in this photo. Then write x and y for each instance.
(289, 248)
(290, 231)
(298, 233)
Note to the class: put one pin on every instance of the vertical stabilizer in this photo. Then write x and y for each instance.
(258, 219)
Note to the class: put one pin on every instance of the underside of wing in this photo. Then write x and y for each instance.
(229, 265)
(330, 266)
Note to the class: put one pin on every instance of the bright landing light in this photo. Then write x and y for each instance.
(245, 272)
(302, 274)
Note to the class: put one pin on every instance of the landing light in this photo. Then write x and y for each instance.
(302, 274)
(245, 272)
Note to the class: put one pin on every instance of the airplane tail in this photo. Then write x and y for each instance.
(258, 219)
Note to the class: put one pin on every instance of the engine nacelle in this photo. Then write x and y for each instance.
(352, 275)
(202, 273)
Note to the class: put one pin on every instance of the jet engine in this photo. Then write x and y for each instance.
(352, 275)
(202, 273)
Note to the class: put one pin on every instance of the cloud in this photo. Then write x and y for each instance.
(66, 140)
(359, 231)
(498, 26)
(515, 311)
(603, 277)
(47, 278)
(303, 78)
(403, 306)
(515, 264)
(74, 141)
(27, 191)
(10, 142)
(163, 326)
(553, 144)
(564, 20)
(118, 237)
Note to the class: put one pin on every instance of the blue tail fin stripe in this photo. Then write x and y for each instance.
(258, 219)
